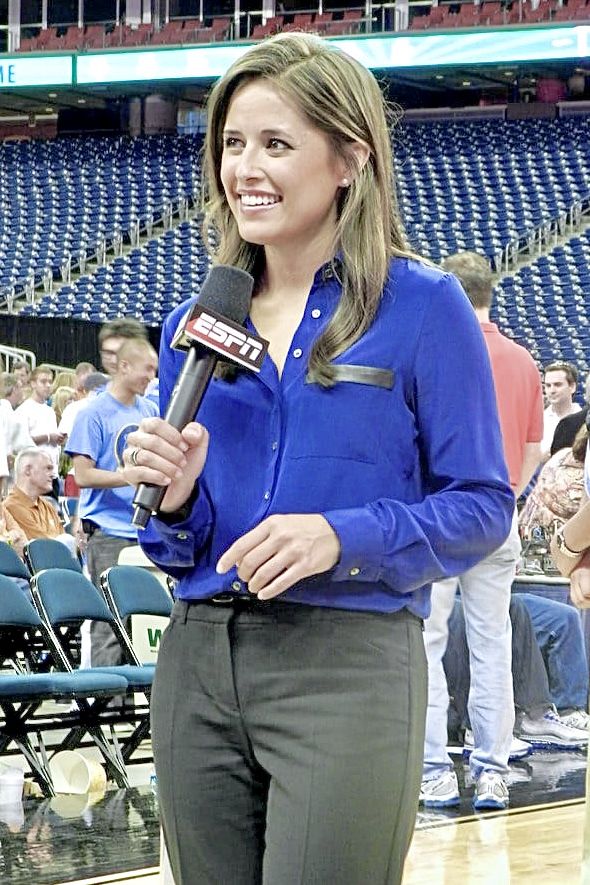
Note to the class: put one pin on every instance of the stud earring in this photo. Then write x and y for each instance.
(345, 182)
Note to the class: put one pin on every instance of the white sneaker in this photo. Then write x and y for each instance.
(518, 749)
(550, 730)
(490, 791)
(441, 791)
(576, 719)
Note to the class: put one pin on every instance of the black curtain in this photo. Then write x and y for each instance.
(64, 342)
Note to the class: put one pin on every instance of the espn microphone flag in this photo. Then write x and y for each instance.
(206, 326)
(211, 332)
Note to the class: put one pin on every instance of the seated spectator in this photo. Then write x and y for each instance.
(558, 491)
(537, 720)
(568, 427)
(33, 515)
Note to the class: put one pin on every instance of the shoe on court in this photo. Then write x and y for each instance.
(550, 730)
(441, 791)
(490, 791)
(576, 719)
(518, 749)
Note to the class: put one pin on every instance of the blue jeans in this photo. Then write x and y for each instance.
(485, 593)
(558, 629)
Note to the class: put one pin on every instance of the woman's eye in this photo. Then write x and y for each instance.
(276, 144)
(230, 141)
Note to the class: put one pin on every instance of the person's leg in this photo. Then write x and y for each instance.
(529, 676)
(436, 758)
(103, 552)
(334, 703)
(558, 629)
(211, 791)
(456, 663)
(485, 593)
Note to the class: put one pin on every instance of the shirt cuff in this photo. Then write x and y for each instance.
(361, 544)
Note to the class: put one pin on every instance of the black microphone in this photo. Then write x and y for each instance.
(211, 332)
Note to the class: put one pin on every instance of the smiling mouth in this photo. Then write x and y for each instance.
(249, 200)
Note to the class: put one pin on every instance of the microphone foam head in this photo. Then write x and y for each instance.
(227, 290)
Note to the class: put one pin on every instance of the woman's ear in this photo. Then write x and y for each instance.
(358, 155)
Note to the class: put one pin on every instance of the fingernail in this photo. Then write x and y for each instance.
(220, 569)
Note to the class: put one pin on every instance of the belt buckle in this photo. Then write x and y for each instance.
(222, 599)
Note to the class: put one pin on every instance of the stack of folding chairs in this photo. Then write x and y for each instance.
(47, 702)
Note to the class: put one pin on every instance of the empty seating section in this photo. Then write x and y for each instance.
(62, 197)
(484, 185)
(147, 283)
(478, 185)
(545, 305)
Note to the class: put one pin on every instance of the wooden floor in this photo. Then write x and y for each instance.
(529, 846)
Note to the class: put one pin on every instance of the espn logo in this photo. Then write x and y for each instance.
(225, 337)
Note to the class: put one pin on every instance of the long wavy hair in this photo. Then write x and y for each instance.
(342, 99)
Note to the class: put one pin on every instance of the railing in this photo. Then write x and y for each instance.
(11, 355)
(43, 283)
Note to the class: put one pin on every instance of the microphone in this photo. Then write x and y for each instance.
(213, 330)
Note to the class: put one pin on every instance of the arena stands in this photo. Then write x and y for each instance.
(64, 197)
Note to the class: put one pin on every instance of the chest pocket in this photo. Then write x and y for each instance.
(343, 421)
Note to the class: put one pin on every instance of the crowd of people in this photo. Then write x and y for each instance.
(305, 521)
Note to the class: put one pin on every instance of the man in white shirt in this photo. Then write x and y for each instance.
(39, 418)
(560, 381)
(14, 436)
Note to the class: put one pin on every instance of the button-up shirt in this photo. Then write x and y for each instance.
(402, 456)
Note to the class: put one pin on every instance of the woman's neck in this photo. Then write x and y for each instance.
(292, 273)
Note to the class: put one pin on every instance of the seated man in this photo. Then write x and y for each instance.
(36, 517)
(540, 680)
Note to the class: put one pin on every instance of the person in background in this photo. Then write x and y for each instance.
(111, 337)
(362, 463)
(568, 427)
(60, 399)
(559, 490)
(560, 381)
(105, 500)
(15, 436)
(39, 418)
(22, 371)
(486, 587)
(89, 387)
(62, 379)
(26, 503)
(81, 372)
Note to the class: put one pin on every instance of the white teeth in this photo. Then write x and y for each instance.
(255, 200)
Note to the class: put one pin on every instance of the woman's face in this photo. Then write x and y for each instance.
(279, 172)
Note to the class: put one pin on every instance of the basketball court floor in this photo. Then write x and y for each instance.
(113, 837)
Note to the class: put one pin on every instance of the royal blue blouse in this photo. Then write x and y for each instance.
(403, 455)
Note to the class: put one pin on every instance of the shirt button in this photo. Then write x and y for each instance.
(266, 496)
(316, 312)
(354, 572)
(237, 586)
(275, 446)
(297, 353)
(182, 536)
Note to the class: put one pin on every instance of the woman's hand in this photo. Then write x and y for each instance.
(157, 453)
(281, 551)
(580, 583)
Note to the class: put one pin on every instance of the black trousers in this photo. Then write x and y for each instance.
(288, 742)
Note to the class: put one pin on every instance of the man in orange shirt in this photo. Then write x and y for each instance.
(25, 502)
(486, 588)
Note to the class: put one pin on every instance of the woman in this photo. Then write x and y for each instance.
(310, 508)
(557, 494)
